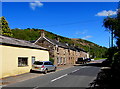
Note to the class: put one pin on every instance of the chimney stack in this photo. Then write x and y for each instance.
(58, 39)
(42, 33)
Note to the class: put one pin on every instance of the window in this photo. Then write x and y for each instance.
(51, 63)
(33, 59)
(57, 49)
(22, 61)
(38, 63)
(47, 63)
(64, 60)
(61, 60)
(57, 60)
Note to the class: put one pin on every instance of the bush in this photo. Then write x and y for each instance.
(52, 60)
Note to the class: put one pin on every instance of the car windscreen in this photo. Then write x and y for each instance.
(80, 59)
(38, 63)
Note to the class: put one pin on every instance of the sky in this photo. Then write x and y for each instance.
(69, 19)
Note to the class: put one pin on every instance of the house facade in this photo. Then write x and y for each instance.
(62, 53)
(17, 56)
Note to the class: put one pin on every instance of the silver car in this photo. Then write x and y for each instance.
(43, 66)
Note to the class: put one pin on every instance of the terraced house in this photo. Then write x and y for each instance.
(62, 53)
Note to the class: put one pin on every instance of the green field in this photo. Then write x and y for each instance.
(98, 58)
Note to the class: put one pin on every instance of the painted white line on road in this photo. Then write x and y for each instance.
(75, 70)
(59, 78)
(79, 69)
(85, 67)
(36, 87)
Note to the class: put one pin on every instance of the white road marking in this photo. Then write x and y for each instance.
(75, 70)
(84, 67)
(59, 78)
(36, 87)
(79, 69)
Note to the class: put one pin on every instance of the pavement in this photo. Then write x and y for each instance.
(26, 76)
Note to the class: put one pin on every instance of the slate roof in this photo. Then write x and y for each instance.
(17, 42)
(64, 45)
(55, 42)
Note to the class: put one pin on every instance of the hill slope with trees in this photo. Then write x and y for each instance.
(32, 34)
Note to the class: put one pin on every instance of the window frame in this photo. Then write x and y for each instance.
(22, 61)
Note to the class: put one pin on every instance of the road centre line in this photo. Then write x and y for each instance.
(79, 69)
(67, 74)
(84, 67)
(59, 78)
(75, 70)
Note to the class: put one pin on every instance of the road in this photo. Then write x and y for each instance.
(77, 76)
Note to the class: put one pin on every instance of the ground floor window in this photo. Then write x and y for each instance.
(58, 61)
(22, 61)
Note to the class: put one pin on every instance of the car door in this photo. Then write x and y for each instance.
(46, 64)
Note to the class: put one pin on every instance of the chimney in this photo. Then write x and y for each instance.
(58, 39)
(42, 33)
(66, 43)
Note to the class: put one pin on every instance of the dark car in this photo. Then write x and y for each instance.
(87, 60)
(80, 60)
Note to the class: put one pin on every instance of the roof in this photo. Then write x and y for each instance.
(17, 42)
(57, 43)
(64, 45)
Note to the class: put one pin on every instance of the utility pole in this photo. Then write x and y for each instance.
(112, 35)
(109, 41)
(112, 38)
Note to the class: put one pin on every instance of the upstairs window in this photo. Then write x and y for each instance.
(22, 61)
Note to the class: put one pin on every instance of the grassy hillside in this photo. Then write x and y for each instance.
(33, 34)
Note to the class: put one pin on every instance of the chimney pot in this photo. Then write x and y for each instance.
(42, 33)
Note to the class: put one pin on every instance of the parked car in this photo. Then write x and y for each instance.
(43, 66)
(87, 60)
(80, 60)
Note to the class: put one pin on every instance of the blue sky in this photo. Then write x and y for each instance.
(68, 19)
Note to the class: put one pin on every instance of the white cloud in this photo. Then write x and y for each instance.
(35, 4)
(81, 33)
(86, 37)
(106, 13)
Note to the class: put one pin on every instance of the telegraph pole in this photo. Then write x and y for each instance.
(112, 35)
(112, 38)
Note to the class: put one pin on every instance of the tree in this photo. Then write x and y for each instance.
(113, 25)
(4, 27)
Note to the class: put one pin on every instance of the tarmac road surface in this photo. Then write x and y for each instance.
(77, 77)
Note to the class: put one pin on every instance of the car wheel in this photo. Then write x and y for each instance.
(31, 71)
(45, 72)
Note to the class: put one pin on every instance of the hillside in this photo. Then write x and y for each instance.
(33, 34)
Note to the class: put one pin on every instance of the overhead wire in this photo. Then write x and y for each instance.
(72, 23)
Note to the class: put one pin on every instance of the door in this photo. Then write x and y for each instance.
(33, 59)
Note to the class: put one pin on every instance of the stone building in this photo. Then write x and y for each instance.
(62, 53)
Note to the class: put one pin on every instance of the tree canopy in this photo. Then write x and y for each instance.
(4, 27)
